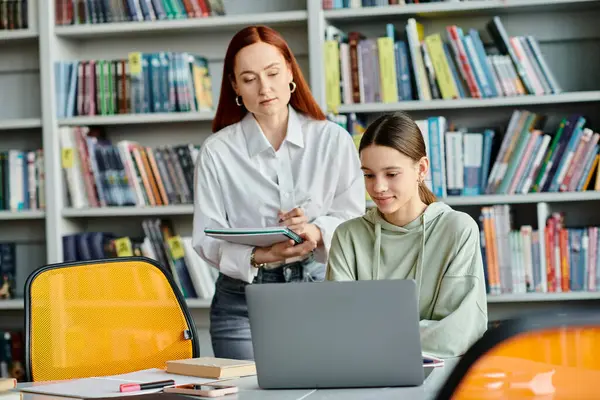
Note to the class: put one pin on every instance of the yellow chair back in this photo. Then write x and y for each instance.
(104, 317)
(554, 356)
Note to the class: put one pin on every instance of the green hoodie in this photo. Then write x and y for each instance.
(441, 251)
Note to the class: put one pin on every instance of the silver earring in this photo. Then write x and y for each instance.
(238, 100)
(292, 87)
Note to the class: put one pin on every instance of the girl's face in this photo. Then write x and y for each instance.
(391, 178)
(262, 78)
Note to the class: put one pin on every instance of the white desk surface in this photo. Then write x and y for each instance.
(249, 390)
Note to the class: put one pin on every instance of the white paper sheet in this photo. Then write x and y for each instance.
(108, 386)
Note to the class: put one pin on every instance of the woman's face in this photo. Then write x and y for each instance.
(262, 78)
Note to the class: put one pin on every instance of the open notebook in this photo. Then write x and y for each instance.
(108, 386)
(260, 237)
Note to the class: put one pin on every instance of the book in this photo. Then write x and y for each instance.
(260, 237)
(211, 367)
(7, 384)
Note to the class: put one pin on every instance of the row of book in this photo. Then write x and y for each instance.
(14, 15)
(12, 355)
(22, 180)
(99, 173)
(514, 263)
(143, 83)
(511, 257)
(532, 158)
(77, 12)
(411, 66)
(528, 157)
(338, 4)
(194, 276)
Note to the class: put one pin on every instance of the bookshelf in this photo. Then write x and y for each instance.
(566, 30)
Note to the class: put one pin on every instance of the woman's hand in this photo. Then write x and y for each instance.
(296, 221)
(283, 250)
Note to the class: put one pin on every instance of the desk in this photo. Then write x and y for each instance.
(249, 390)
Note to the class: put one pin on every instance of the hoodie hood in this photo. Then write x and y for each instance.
(415, 230)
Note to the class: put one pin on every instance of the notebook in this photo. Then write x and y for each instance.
(211, 367)
(108, 386)
(259, 237)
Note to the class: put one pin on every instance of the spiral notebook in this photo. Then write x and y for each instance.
(259, 237)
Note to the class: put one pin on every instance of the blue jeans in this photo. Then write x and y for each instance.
(229, 323)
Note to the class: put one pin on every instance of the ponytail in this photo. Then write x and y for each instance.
(426, 195)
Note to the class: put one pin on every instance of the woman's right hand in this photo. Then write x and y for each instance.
(283, 250)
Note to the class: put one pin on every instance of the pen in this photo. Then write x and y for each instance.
(132, 387)
(302, 204)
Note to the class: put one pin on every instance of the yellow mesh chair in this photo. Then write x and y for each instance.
(549, 356)
(104, 317)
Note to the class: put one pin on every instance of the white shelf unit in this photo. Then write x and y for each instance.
(563, 28)
(566, 30)
(21, 128)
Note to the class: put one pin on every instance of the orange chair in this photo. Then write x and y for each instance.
(104, 317)
(545, 356)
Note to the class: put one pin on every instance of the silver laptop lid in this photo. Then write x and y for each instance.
(336, 334)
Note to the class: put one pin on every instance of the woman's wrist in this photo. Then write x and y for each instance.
(262, 255)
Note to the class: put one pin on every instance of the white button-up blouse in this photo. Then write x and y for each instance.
(242, 182)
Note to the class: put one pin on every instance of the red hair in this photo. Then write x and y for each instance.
(228, 112)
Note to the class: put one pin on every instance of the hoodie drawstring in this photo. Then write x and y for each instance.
(377, 250)
(419, 271)
(419, 265)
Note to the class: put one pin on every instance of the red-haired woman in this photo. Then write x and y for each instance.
(274, 160)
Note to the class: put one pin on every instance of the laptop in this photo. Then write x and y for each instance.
(336, 334)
